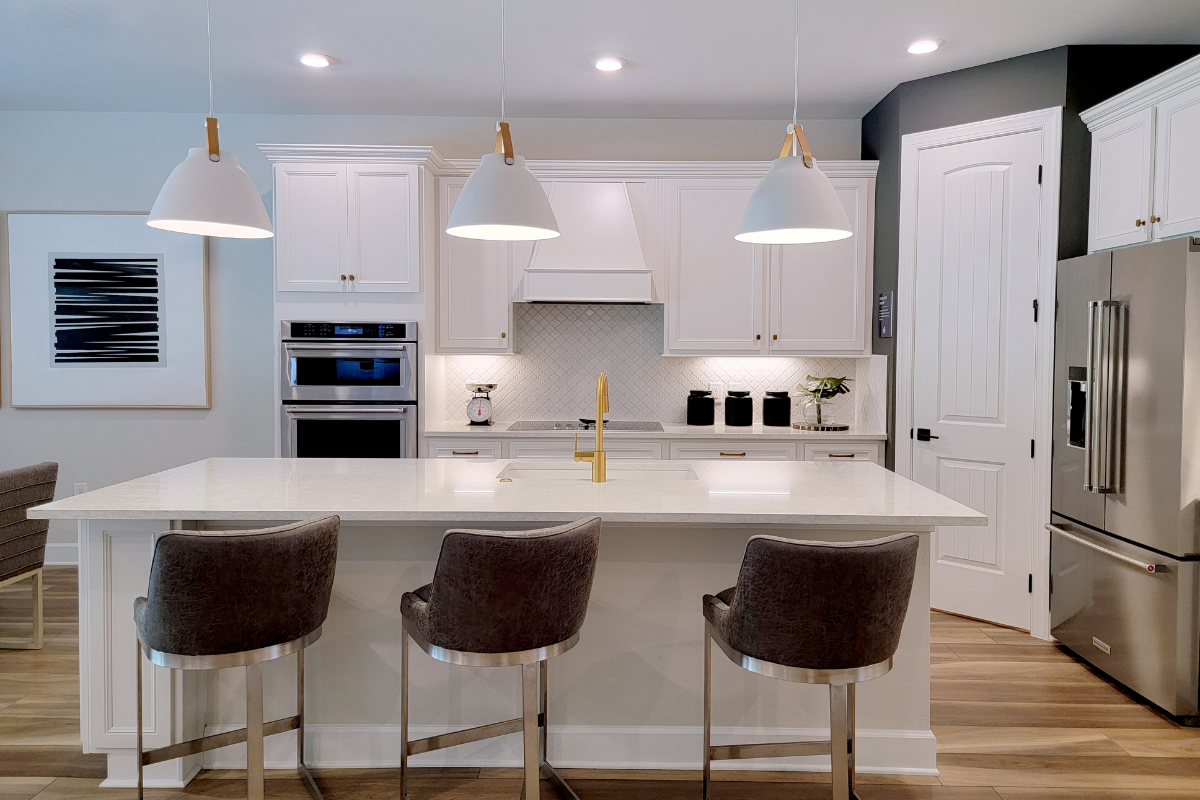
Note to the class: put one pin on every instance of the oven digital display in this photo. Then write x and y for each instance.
(347, 330)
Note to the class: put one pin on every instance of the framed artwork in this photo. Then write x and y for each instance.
(106, 312)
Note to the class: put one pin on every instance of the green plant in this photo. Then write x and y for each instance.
(818, 390)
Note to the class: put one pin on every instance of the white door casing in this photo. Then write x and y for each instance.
(978, 246)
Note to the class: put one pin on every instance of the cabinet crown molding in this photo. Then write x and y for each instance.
(420, 155)
(635, 170)
(1147, 93)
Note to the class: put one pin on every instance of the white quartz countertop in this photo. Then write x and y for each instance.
(671, 430)
(415, 491)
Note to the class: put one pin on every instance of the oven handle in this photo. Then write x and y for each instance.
(346, 409)
(1156, 568)
(344, 346)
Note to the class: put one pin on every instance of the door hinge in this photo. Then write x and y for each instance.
(1035, 310)
(1039, 174)
(1031, 583)
(1032, 448)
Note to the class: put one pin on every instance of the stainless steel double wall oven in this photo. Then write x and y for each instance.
(349, 390)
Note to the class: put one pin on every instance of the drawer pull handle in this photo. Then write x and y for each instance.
(732, 454)
(840, 455)
(1156, 568)
(466, 452)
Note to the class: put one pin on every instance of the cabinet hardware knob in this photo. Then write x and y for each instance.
(503, 334)
(343, 277)
(757, 336)
(774, 336)
(1139, 223)
(1154, 219)
(351, 277)
(732, 454)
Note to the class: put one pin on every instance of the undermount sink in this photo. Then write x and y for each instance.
(582, 471)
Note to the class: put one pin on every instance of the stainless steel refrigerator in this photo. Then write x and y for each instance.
(1125, 528)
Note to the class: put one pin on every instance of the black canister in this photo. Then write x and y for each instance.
(777, 410)
(739, 409)
(700, 405)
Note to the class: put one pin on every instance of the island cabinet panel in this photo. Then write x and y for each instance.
(844, 451)
(715, 292)
(383, 217)
(1177, 165)
(1122, 169)
(310, 227)
(564, 449)
(819, 294)
(473, 287)
(734, 450)
(347, 227)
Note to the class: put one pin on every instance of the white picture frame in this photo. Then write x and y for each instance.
(106, 312)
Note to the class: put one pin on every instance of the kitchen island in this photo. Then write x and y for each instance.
(628, 696)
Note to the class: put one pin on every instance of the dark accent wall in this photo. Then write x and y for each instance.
(1075, 77)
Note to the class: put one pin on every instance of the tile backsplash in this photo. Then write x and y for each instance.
(561, 347)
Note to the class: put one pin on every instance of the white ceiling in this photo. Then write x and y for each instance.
(726, 59)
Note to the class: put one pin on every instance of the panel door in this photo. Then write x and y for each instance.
(384, 228)
(977, 226)
(310, 227)
(1177, 165)
(820, 293)
(715, 296)
(1122, 155)
(474, 303)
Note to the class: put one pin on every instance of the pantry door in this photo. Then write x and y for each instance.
(976, 248)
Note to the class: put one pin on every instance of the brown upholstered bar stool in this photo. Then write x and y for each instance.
(236, 599)
(811, 612)
(23, 540)
(502, 599)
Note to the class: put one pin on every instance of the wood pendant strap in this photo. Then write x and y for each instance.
(786, 150)
(504, 142)
(805, 153)
(214, 146)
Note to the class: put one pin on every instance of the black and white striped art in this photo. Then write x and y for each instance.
(107, 309)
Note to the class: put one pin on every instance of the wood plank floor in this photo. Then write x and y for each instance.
(1015, 718)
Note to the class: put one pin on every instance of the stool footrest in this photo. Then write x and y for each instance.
(468, 735)
(770, 750)
(558, 780)
(206, 743)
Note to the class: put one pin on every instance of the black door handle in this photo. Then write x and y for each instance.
(923, 435)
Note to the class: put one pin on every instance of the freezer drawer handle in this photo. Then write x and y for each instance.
(1155, 568)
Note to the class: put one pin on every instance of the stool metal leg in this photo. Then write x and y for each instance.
(305, 776)
(707, 769)
(851, 745)
(840, 741)
(544, 735)
(138, 724)
(254, 732)
(529, 719)
(403, 713)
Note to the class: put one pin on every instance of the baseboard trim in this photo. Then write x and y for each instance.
(62, 554)
(891, 752)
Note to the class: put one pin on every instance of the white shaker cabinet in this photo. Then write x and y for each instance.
(474, 300)
(310, 227)
(820, 293)
(715, 283)
(1145, 181)
(383, 221)
(1177, 165)
(1122, 168)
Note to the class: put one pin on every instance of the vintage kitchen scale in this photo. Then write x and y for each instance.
(479, 410)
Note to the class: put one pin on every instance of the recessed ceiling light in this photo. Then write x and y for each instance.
(922, 46)
(314, 60)
(609, 63)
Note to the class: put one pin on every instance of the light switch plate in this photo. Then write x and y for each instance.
(718, 390)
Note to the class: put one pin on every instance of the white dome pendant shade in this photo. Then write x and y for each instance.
(502, 202)
(794, 203)
(211, 198)
(209, 194)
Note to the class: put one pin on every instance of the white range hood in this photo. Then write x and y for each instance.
(598, 258)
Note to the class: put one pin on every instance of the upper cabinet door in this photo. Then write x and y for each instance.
(715, 294)
(474, 294)
(1177, 165)
(820, 293)
(383, 250)
(310, 227)
(1122, 154)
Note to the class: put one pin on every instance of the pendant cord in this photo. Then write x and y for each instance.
(208, 17)
(796, 69)
(502, 60)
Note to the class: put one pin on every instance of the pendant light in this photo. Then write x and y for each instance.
(502, 200)
(209, 194)
(794, 203)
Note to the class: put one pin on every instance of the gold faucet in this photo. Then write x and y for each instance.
(598, 457)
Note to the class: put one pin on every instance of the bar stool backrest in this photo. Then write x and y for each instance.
(214, 593)
(510, 591)
(22, 540)
(822, 605)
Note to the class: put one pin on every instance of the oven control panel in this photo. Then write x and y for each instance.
(349, 330)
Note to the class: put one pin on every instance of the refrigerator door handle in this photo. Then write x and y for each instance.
(1148, 567)
(1106, 368)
